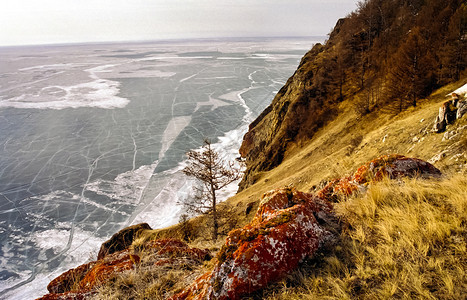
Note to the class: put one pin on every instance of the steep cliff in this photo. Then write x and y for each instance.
(292, 109)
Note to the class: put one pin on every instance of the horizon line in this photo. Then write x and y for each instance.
(82, 43)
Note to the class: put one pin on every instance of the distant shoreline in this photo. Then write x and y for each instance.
(175, 40)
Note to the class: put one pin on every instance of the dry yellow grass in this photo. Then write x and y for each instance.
(402, 240)
(150, 280)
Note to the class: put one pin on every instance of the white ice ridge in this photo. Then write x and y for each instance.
(162, 209)
(126, 187)
(99, 93)
(171, 132)
(213, 102)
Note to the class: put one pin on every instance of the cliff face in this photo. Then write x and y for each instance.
(386, 55)
(280, 123)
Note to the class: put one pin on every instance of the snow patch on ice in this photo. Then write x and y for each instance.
(99, 93)
(213, 102)
(127, 187)
(171, 132)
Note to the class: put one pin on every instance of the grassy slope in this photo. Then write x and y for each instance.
(336, 150)
(403, 241)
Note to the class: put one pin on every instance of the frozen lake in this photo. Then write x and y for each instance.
(93, 137)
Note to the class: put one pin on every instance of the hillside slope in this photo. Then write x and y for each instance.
(384, 57)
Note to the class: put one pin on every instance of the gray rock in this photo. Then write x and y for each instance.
(122, 239)
(446, 115)
(461, 108)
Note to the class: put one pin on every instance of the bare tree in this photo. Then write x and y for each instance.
(214, 174)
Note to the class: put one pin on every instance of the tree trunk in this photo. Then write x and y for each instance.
(215, 226)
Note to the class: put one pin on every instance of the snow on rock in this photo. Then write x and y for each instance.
(460, 92)
(452, 109)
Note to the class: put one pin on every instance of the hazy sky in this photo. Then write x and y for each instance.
(63, 21)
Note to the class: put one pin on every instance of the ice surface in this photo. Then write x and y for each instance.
(93, 138)
(84, 248)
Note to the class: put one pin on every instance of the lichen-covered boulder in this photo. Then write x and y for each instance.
(284, 231)
(81, 282)
(122, 239)
(108, 267)
(68, 281)
(393, 166)
(175, 248)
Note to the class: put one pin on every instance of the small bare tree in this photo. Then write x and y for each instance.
(214, 174)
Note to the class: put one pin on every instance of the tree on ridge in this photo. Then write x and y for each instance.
(214, 173)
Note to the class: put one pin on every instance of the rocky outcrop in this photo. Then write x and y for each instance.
(293, 114)
(461, 108)
(446, 115)
(81, 282)
(392, 166)
(301, 107)
(68, 280)
(285, 230)
(122, 239)
(288, 227)
(451, 110)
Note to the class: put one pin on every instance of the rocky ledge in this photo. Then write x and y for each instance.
(82, 282)
(451, 110)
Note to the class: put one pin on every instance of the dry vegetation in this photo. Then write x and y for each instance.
(403, 240)
(151, 280)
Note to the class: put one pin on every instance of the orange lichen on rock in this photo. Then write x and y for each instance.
(81, 282)
(283, 232)
(392, 166)
(107, 268)
(176, 248)
(66, 281)
(287, 227)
